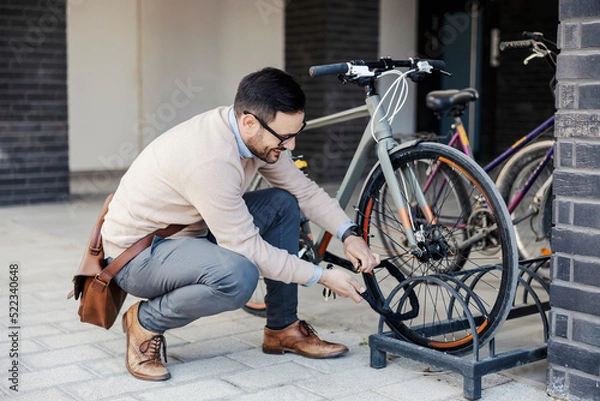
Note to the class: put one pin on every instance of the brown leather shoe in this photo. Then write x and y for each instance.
(142, 357)
(300, 338)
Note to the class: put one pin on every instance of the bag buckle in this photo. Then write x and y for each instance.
(97, 279)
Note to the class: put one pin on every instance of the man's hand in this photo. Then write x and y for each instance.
(359, 254)
(342, 283)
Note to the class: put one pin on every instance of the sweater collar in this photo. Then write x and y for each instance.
(243, 149)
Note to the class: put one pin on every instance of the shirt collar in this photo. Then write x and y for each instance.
(243, 149)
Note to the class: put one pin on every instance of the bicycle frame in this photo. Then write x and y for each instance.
(384, 143)
(460, 141)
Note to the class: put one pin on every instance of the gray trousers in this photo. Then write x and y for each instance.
(186, 279)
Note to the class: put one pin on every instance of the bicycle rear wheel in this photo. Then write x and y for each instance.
(466, 262)
(532, 216)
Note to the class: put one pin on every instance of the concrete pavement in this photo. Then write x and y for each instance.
(215, 358)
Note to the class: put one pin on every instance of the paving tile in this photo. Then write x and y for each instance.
(112, 387)
(87, 336)
(201, 390)
(207, 330)
(367, 395)
(114, 346)
(74, 324)
(105, 367)
(40, 330)
(429, 388)
(356, 357)
(355, 380)
(271, 376)
(203, 369)
(32, 346)
(255, 358)
(54, 376)
(513, 391)
(207, 349)
(51, 315)
(72, 355)
(286, 392)
(253, 339)
(124, 398)
(52, 394)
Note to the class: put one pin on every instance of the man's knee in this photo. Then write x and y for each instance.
(286, 202)
(237, 286)
(248, 281)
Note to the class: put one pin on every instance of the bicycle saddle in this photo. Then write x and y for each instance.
(447, 99)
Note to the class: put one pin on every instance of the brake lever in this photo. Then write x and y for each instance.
(533, 55)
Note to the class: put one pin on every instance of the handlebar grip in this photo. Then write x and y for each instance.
(516, 44)
(437, 64)
(328, 69)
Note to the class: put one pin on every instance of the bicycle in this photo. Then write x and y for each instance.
(449, 278)
(525, 180)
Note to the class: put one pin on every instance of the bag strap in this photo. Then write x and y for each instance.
(103, 278)
(117, 264)
(95, 241)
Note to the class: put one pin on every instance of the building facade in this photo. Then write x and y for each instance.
(85, 84)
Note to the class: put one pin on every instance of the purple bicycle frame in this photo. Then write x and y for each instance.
(456, 142)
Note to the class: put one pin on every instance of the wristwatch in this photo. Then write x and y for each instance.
(352, 230)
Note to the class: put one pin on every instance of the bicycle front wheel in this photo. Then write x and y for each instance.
(456, 285)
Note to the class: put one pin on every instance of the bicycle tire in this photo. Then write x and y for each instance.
(256, 304)
(434, 289)
(532, 234)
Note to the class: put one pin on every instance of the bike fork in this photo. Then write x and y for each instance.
(409, 182)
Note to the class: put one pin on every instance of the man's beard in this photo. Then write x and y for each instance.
(264, 156)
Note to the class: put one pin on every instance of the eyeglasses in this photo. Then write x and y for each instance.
(282, 139)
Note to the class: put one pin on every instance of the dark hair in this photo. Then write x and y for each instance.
(268, 91)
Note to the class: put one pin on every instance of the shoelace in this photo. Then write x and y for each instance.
(306, 328)
(155, 345)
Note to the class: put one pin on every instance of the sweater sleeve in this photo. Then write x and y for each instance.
(315, 203)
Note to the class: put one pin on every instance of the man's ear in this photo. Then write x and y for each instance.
(248, 124)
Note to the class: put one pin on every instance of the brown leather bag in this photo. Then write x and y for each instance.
(102, 299)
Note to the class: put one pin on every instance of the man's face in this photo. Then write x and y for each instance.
(266, 145)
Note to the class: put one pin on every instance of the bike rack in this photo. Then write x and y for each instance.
(475, 368)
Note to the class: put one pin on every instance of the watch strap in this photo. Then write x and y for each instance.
(352, 230)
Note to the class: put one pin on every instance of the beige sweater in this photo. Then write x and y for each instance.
(193, 174)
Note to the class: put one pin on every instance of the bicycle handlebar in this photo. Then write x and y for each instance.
(517, 44)
(383, 64)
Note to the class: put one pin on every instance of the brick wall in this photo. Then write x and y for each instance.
(33, 102)
(329, 31)
(574, 347)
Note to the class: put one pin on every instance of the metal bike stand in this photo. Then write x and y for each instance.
(475, 368)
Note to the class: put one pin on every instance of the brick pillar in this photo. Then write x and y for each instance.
(34, 165)
(329, 31)
(574, 347)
